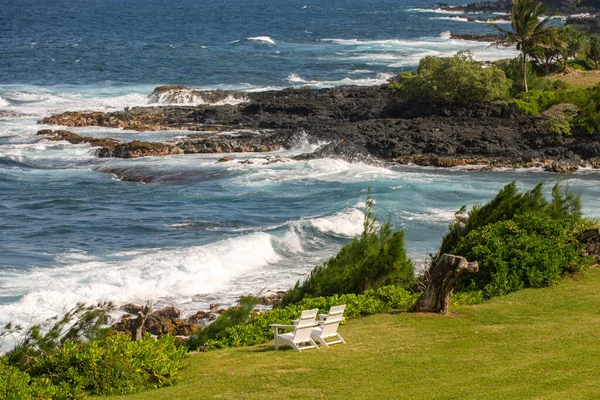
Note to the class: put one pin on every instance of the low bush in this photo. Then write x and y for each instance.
(528, 250)
(114, 365)
(18, 385)
(447, 81)
(257, 330)
(587, 101)
(559, 119)
(377, 258)
(508, 204)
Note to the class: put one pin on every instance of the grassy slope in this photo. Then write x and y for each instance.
(534, 344)
(580, 78)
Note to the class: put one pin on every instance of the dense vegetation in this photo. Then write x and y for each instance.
(445, 81)
(544, 50)
(519, 239)
(76, 357)
(376, 258)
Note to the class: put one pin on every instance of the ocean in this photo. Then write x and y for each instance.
(204, 232)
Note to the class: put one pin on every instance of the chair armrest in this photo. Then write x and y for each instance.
(282, 326)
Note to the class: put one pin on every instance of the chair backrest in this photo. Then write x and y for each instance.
(304, 326)
(332, 321)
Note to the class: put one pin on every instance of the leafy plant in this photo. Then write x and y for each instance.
(231, 317)
(527, 251)
(457, 80)
(80, 324)
(375, 259)
(113, 365)
(508, 204)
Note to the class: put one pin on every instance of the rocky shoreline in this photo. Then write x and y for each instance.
(357, 123)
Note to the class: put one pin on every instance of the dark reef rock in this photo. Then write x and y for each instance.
(356, 123)
(477, 37)
(113, 148)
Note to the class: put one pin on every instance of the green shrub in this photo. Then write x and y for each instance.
(457, 80)
(467, 298)
(508, 204)
(114, 365)
(18, 385)
(527, 251)
(377, 258)
(231, 317)
(559, 118)
(587, 100)
(257, 329)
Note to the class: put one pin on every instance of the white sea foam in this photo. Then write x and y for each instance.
(433, 215)
(176, 276)
(433, 10)
(4, 102)
(346, 223)
(41, 101)
(379, 79)
(396, 53)
(461, 19)
(264, 39)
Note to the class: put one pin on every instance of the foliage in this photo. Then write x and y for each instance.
(467, 298)
(575, 42)
(80, 324)
(528, 250)
(76, 356)
(18, 385)
(559, 118)
(375, 259)
(512, 69)
(457, 80)
(113, 365)
(592, 50)
(587, 101)
(231, 317)
(528, 30)
(508, 204)
(257, 330)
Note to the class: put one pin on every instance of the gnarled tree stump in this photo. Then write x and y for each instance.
(436, 297)
(138, 325)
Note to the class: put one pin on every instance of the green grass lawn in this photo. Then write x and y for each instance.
(533, 344)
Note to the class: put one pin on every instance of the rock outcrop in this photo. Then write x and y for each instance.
(357, 124)
(113, 148)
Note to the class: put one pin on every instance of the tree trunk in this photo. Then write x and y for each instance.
(524, 70)
(138, 325)
(436, 297)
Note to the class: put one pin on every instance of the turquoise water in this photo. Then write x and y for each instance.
(203, 232)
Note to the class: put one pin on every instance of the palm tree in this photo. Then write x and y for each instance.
(528, 29)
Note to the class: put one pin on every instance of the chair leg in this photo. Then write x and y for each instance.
(341, 339)
(314, 344)
(322, 341)
(295, 347)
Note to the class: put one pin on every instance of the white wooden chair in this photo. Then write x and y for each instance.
(300, 338)
(328, 325)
